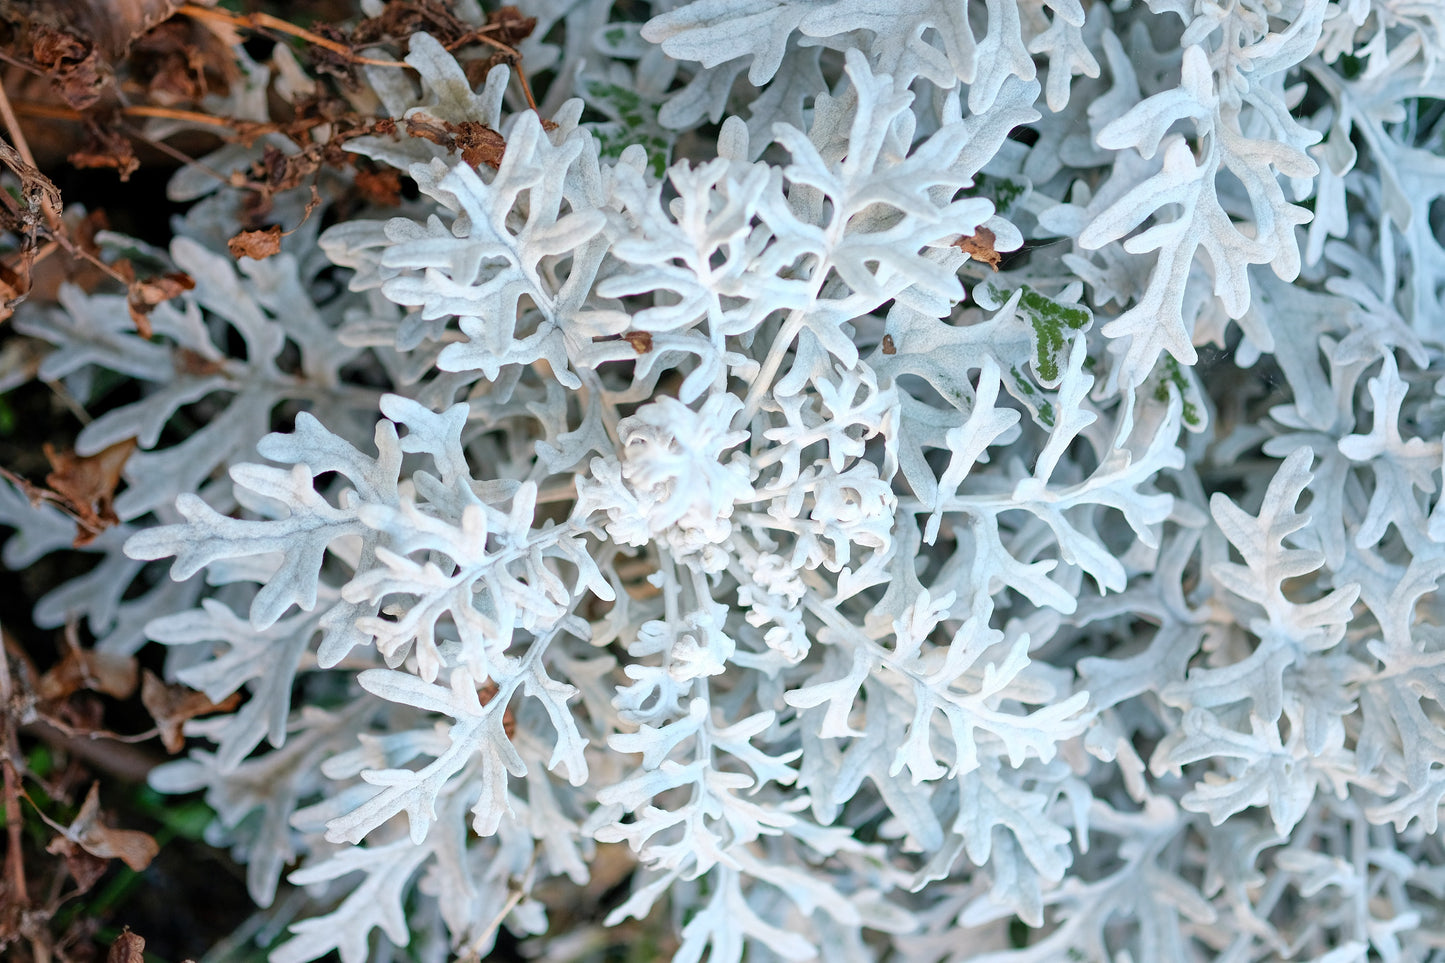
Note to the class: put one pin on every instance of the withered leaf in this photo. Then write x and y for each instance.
(85, 486)
(478, 143)
(106, 147)
(153, 290)
(382, 188)
(143, 295)
(429, 128)
(72, 64)
(132, 847)
(402, 18)
(172, 705)
(110, 673)
(641, 341)
(12, 289)
(83, 867)
(82, 714)
(258, 245)
(127, 948)
(180, 61)
(146, 294)
(979, 246)
(510, 25)
(111, 25)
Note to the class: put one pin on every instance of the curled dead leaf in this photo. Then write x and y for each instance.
(511, 25)
(72, 63)
(258, 245)
(105, 146)
(641, 341)
(127, 948)
(171, 705)
(85, 868)
(382, 188)
(429, 128)
(132, 847)
(110, 673)
(12, 291)
(979, 246)
(478, 143)
(85, 486)
(144, 294)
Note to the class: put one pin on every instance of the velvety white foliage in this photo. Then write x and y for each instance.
(867, 526)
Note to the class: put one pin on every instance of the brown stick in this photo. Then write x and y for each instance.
(14, 859)
(264, 21)
(22, 147)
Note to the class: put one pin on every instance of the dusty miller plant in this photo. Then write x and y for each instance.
(692, 490)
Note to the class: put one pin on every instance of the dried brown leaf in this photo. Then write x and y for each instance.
(400, 19)
(641, 341)
(85, 868)
(979, 246)
(110, 25)
(72, 63)
(106, 147)
(429, 128)
(382, 188)
(144, 295)
(85, 486)
(259, 244)
(478, 143)
(180, 61)
(106, 672)
(127, 948)
(511, 26)
(171, 705)
(154, 290)
(12, 290)
(132, 847)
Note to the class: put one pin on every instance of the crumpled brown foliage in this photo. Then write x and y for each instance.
(84, 487)
(107, 672)
(86, 832)
(171, 705)
(980, 246)
(258, 244)
(128, 948)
